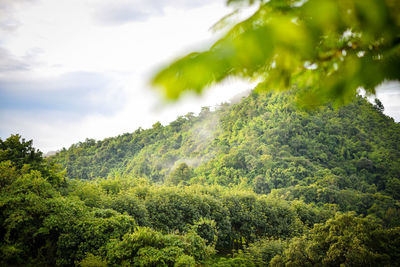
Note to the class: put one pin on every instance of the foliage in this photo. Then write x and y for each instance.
(249, 184)
(146, 247)
(93, 261)
(344, 240)
(181, 174)
(261, 252)
(323, 49)
(260, 182)
(265, 139)
(20, 152)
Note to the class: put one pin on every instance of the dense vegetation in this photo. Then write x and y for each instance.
(264, 141)
(250, 184)
(261, 182)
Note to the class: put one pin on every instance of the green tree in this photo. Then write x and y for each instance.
(262, 251)
(378, 105)
(181, 174)
(260, 185)
(344, 240)
(146, 247)
(93, 261)
(20, 152)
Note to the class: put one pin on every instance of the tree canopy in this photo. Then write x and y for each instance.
(256, 183)
(324, 49)
(19, 151)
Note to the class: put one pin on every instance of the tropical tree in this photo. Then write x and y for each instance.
(20, 152)
(346, 240)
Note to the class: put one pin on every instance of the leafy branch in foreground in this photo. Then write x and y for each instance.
(325, 49)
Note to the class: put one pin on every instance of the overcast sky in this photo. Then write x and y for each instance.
(80, 68)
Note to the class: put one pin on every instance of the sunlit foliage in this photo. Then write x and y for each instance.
(324, 49)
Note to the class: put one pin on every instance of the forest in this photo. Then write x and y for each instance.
(256, 183)
(304, 171)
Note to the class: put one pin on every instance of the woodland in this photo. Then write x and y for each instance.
(304, 171)
(260, 182)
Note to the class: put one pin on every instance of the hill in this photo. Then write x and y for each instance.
(264, 137)
(260, 182)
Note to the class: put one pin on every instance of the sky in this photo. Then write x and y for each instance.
(77, 69)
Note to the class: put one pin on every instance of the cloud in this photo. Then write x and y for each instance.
(120, 12)
(8, 62)
(75, 92)
(389, 94)
(8, 22)
(58, 111)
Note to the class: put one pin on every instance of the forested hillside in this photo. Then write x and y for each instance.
(265, 138)
(261, 182)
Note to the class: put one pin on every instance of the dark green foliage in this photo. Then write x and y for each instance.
(206, 229)
(345, 239)
(258, 253)
(91, 234)
(378, 105)
(18, 156)
(261, 252)
(260, 185)
(20, 152)
(146, 247)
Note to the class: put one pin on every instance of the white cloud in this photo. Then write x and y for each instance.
(125, 11)
(9, 63)
(8, 22)
(76, 92)
(389, 94)
(119, 12)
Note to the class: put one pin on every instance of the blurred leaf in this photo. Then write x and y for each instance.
(348, 44)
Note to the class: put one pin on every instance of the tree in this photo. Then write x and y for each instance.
(325, 49)
(345, 240)
(378, 105)
(147, 247)
(260, 185)
(182, 173)
(20, 152)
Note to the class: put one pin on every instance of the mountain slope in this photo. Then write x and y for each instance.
(256, 183)
(263, 135)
